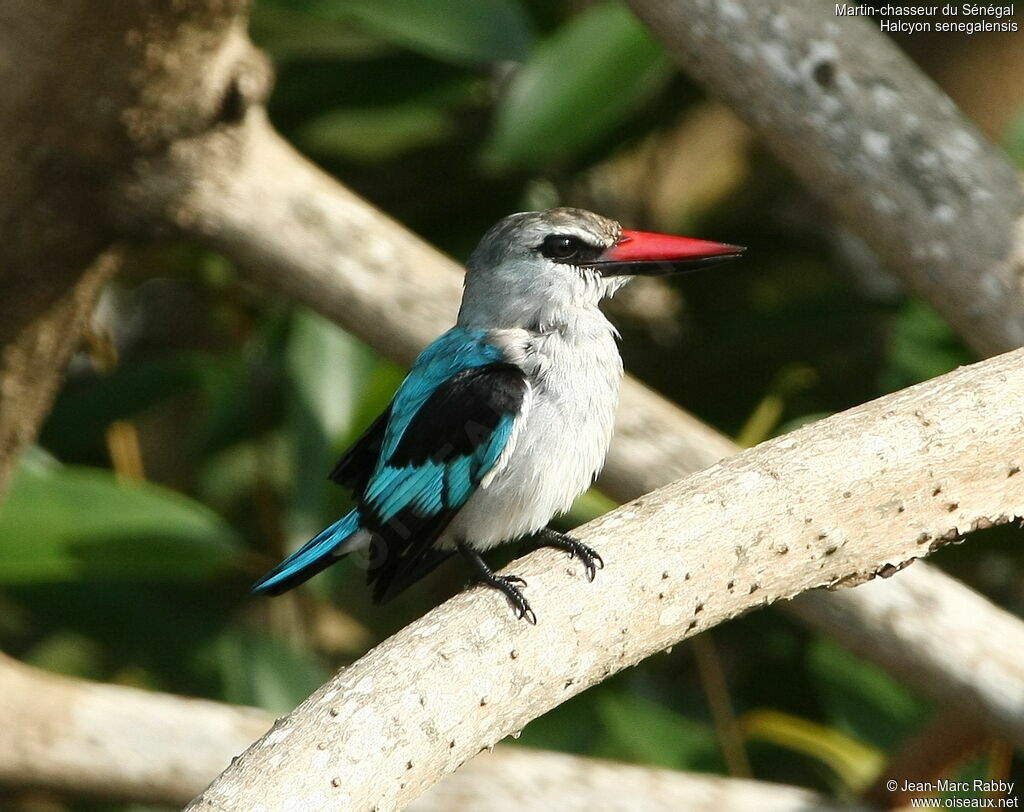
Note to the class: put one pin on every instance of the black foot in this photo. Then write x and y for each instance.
(592, 561)
(508, 585)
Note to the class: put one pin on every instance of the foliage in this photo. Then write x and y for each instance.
(449, 115)
(64, 523)
(581, 80)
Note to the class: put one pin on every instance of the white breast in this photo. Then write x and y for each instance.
(560, 440)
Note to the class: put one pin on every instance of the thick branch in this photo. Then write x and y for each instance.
(32, 365)
(86, 738)
(513, 779)
(249, 194)
(77, 737)
(85, 94)
(853, 118)
(830, 504)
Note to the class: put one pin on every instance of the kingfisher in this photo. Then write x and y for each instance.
(506, 418)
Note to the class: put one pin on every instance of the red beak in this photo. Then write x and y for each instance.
(643, 252)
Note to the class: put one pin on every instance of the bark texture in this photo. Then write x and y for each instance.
(164, 99)
(247, 193)
(296, 230)
(876, 140)
(832, 504)
(32, 363)
(77, 737)
(118, 86)
(85, 738)
(517, 779)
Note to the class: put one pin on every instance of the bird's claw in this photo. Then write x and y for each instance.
(509, 586)
(588, 556)
(592, 561)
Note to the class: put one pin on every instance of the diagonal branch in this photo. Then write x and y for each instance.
(512, 779)
(75, 737)
(872, 136)
(85, 738)
(248, 194)
(296, 230)
(830, 504)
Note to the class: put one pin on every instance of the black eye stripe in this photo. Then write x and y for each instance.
(568, 248)
(560, 246)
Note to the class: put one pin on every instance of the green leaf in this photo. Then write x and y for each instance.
(921, 346)
(66, 651)
(75, 523)
(265, 673)
(648, 733)
(86, 407)
(290, 33)
(479, 32)
(373, 134)
(763, 422)
(327, 369)
(231, 474)
(326, 366)
(587, 507)
(243, 389)
(576, 86)
(861, 699)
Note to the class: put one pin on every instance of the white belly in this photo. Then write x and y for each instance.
(560, 442)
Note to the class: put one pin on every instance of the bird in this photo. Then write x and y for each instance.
(504, 419)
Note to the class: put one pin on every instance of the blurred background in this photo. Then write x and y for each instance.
(189, 449)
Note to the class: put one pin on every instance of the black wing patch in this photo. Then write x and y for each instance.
(354, 469)
(461, 414)
(455, 421)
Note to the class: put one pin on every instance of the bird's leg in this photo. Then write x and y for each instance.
(592, 561)
(506, 584)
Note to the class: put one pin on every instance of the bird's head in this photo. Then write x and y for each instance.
(539, 269)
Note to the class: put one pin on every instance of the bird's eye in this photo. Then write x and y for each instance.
(559, 246)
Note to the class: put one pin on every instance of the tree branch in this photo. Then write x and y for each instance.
(512, 779)
(32, 363)
(248, 194)
(117, 86)
(830, 504)
(76, 737)
(85, 738)
(848, 112)
(954, 645)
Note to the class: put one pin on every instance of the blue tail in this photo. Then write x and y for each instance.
(316, 554)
